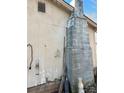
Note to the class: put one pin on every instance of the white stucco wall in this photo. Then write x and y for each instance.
(92, 38)
(46, 33)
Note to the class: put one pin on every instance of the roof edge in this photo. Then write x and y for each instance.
(65, 5)
(71, 9)
(90, 21)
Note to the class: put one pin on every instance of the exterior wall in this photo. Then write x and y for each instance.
(45, 33)
(51, 87)
(92, 38)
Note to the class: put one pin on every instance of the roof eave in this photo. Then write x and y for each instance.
(71, 9)
(65, 5)
(91, 22)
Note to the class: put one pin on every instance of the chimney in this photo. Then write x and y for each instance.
(78, 50)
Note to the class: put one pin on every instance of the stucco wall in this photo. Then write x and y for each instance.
(92, 38)
(45, 33)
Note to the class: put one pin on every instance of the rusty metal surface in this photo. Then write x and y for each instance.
(78, 51)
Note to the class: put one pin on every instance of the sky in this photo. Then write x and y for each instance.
(90, 8)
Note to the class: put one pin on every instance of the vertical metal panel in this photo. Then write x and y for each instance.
(78, 51)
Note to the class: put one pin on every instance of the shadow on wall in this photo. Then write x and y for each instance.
(95, 74)
(92, 88)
